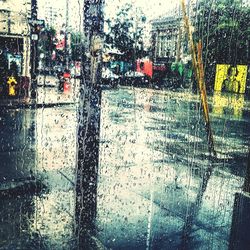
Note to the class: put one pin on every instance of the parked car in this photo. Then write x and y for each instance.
(135, 78)
(109, 77)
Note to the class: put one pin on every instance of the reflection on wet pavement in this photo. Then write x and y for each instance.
(46, 220)
(153, 157)
(49, 92)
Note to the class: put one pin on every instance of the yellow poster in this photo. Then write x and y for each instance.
(230, 78)
(230, 104)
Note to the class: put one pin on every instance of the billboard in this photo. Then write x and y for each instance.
(231, 78)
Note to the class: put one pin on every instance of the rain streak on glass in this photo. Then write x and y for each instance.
(124, 124)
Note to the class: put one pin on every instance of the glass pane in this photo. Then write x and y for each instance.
(124, 124)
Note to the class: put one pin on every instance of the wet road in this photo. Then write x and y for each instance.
(153, 161)
(153, 158)
(48, 90)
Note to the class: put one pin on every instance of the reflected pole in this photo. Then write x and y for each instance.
(89, 126)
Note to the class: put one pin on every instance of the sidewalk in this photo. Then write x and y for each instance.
(31, 103)
(46, 97)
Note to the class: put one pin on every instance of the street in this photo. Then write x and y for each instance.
(153, 162)
(48, 91)
(124, 125)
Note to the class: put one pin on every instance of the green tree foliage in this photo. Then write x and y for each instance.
(125, 32)
(76, 46)
(223, 27)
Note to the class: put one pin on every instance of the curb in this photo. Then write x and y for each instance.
(22, 187)
(34, 105)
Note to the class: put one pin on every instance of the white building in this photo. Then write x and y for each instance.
(168, 38)
(61, 13)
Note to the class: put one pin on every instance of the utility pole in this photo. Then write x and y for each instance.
(135, 36)
(66, 50)
(33, 50)
(89, 125)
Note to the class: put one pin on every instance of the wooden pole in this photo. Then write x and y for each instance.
(199, 75)
(196, 53)
(204, 102)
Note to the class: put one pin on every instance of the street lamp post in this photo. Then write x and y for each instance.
(89, 124)
(66, 50)
(33, 50)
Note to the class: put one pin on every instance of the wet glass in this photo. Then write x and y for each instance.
(124, 124)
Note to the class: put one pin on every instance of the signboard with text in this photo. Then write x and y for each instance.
(34, 22)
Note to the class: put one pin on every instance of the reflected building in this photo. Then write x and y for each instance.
(57, 15)
(52, 14)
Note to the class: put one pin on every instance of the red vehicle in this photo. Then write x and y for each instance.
(155, 72)
(145, 66)
(64, 81)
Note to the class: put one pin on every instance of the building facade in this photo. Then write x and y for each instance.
(168, 35)
(15, 33)
(62, 15)
(167, 39)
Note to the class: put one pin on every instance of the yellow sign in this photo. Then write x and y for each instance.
(231, 78)
(232, 104)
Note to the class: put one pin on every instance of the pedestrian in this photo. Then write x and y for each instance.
(231, 84)
(61, 80)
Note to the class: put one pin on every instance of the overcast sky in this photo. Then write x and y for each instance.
(152, 9)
